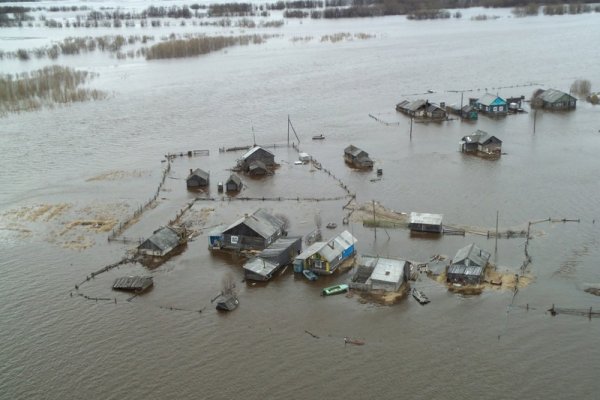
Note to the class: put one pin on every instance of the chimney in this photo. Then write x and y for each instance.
(191, 172)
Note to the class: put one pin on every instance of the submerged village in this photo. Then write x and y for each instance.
(268, 247)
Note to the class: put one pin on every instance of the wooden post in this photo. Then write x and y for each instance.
(411, 123)
(534, 119)
(496, 244)
(374, 220)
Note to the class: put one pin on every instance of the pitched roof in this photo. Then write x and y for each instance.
(235, 179)
(280, 246)
(257, 164)
(337, 245)
(426, 218)
(354, 151)
(163, 238)
(254, 150)
(200, 173)
(471, 255)
(260, 222)
(553, 95)
(490, 99)
(260, 266)
(480, 137)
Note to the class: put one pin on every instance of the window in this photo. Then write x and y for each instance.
(495, 108)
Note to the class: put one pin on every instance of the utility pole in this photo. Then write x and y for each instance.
(496, 245)
(411, 123)
(534, 119)
(288, 130)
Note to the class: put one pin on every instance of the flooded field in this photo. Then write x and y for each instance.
(73, 174)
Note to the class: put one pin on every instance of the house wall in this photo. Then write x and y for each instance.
(231, 187)
(231, 241)
(425, 228)
(261, 155)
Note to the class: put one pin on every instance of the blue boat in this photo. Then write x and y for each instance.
(308, 274)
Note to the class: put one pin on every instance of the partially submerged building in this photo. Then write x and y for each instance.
(233, 184)
(162, 241)
(467, 111)
(481, 142)
(425, 222)
(468, 266)
(136, 284)
(257, 154)
(552, 99)
(422, 109)
(490, 104)
(270, 260)
(326, 257)
(258, 168)
(197, 179)
(357, 158)
(255, 231)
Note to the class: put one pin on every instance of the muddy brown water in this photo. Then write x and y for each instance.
(160, 346)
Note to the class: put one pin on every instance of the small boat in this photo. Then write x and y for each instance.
(331, 225)
(337, 289)
(318, 137)
(420, 296)
(356, 342)
(227, 302)
(308, 274)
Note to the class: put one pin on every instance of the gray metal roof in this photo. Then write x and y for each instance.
(471, 256)
(355, 151)
(279, 246)
(553, 95)
(416, 105)
(388, 270)
(163, 238)
(256, 164)
(260, 266)
(200, 173)
(480, 137)
(260, 222)
(311, 250)
(488, 99)
(337, 245)
(254, 150)
(138, 283)
(426, 218)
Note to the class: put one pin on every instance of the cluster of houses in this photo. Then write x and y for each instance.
(489, 104)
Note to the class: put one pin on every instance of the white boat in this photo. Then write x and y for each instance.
(420, 296)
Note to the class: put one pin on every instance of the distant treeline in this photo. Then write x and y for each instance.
(44, 87)
(191, 47)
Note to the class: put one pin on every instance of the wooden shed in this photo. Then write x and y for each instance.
(270, 260)
(161, 242)
(481, 142)
(197, 179)
(233, 184)
(425, 222)
(357, 158)
(388, 274)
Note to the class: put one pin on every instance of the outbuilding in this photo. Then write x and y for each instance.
(278, 254)
(481, 141)
(233, 184)
(552, 99)
(357, 158)
(425, 222)
(388, 274)
(197, 179)
(161, 242)
(257, 153)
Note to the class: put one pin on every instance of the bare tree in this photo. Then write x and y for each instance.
(582, 87)
(228, 283)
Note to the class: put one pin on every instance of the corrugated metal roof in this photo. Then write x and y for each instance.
(260, 222)
(471, 255)
(337, 245)
(260, 266)
(354, 151)
(425, 218)
(553, 95)
(416, 105)
(164, 238)
(311, 250)
(464, 270)
(480, 137)
(388, 270)
(257, 164)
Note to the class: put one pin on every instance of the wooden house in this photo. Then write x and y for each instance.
(468, 265)
(435, 112)
(255, 231)
(197, 179)
(326, 257)
(491, 104)
(422, 109)
(424, 222)
(161, 242)
(233, 184)
(255, 154)
(481, 142)
(357, 158)
(553, 99)
(271, 259)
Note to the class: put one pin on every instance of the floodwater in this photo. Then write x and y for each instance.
(101, 160)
